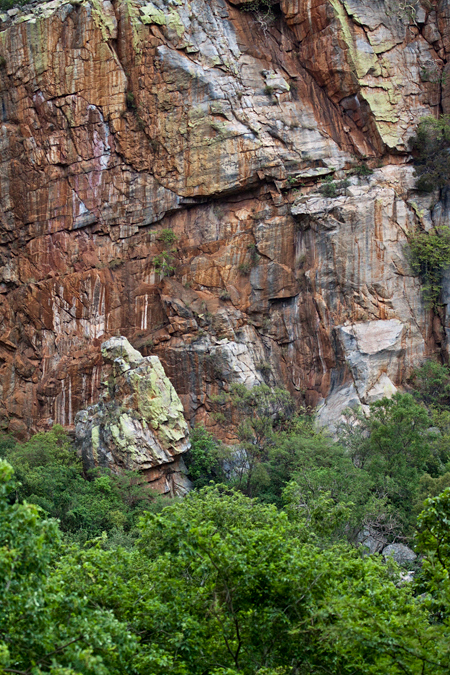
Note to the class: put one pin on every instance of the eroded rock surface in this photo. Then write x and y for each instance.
(122, 120)
(138, 423)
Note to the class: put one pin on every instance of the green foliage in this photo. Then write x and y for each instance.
(217, 584)
(167, 236)
(431, 146)
(205, 458)
(47, 626)
(115, 263)
(254, 255)
(262, 412)
(432, 384)
(244, 590)
(361, 170)
(50, 474)
(131, 101)
(377, 473)
(244, 268)
(393, 445)
(430, 256)
(433, 540)
(321, 468)
(430, 487)
(329, 189)
(9, 4)
(223, 584)
(164, 263)
(372, 473)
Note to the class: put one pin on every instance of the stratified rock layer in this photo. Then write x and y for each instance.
(138, 423)
(123, 120)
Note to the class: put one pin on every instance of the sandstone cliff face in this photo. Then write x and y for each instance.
(122, 120)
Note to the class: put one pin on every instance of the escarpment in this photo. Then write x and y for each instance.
(161, 179)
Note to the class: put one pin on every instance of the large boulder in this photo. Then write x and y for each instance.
(138, 423)
(400, 553)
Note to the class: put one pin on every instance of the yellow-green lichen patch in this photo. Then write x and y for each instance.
(158, 403)
(174, 22)
(363, 58)
(382, 102)
(95, 437)
(151, 14)
(102, 19)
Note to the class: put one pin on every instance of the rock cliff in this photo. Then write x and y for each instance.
(160, 179)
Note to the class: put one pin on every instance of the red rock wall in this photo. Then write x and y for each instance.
(117, 124)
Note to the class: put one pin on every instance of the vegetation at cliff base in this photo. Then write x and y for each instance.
(259, 570)
(217, 584)
(49, 474)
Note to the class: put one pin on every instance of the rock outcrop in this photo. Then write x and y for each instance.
(400, 553)
(123, 120)
(138, 423)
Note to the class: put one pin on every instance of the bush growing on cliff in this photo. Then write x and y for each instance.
(163, 263)
(257, 6)
(431, 147)
(167, 236)
(430, 256)
(431, 383)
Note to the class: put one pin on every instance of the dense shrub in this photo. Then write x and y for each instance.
(217, 584)
(431, 148)
(205, 459)
(430, 256)
(431, 383)
(50, 474)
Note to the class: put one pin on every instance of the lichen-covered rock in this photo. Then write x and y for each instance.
(380, 60)
(138, 423)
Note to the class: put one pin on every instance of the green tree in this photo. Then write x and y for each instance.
(205, 458)
(431, 146)
(432, 384)
(394, 445)
(261, 411)
(46, 626)
(430, 256)
(321, 468)
(433, 540)
(49, 474)
(217, 584)
(243, 588)
(430, 487)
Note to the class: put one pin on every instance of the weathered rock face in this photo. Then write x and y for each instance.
(122, 120)
(138, 423)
